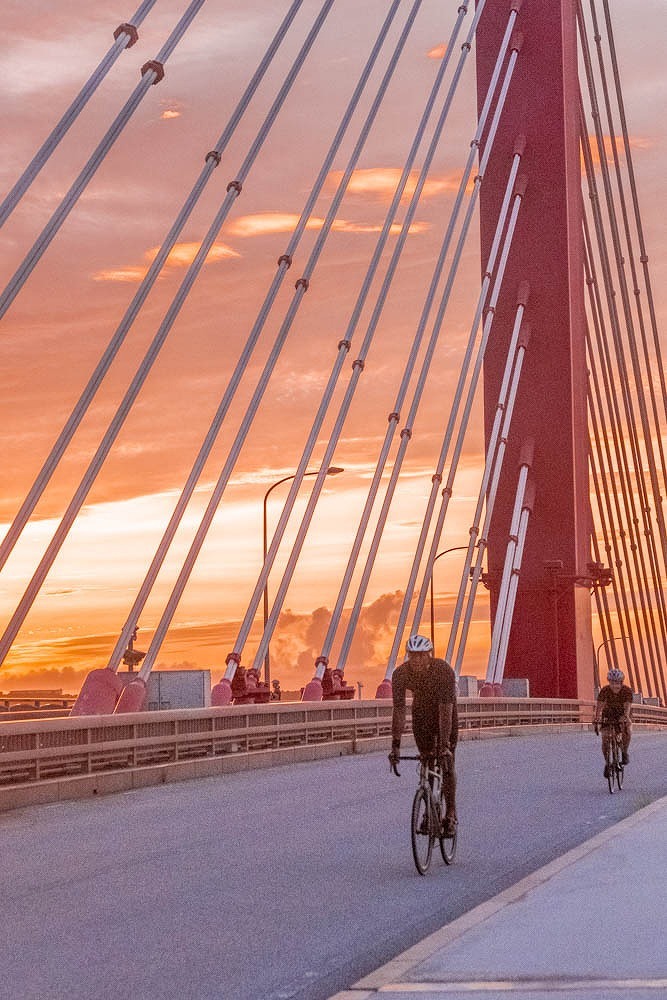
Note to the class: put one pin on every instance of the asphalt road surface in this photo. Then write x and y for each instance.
(283, 884)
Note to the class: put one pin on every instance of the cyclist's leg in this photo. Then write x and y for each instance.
(426, 747)
(626, 736)
(449, 790)
(425, 741)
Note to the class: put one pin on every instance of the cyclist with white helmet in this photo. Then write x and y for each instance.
(434, 714)
(613, 708)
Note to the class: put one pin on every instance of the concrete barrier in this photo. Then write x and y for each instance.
(55, 759)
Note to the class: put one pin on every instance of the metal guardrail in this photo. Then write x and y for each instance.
(38, 751)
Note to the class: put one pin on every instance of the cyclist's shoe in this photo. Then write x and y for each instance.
(624, 758)
(606, 770)
(449, 825)
(423, 826)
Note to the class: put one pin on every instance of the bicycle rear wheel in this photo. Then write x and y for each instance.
(421, 830)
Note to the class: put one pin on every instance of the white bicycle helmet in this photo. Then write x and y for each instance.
(615, 676)
(419, 644)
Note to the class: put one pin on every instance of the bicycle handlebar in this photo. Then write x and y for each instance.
(394, 768)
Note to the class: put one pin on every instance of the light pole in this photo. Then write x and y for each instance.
(612, 638)
(457, 548)
(333, 470)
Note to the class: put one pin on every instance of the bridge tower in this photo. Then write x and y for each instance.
(551, 639)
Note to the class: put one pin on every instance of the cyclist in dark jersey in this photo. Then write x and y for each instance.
(612, 707)
(434, 714)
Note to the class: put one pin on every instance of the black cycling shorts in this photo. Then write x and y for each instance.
(427, 741)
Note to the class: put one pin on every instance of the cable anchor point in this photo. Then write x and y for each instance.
(154, 66)
(128, 29)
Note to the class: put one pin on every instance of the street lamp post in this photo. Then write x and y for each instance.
(457, 548)
(333, 470)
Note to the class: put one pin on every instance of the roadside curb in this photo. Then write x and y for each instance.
(397, 969)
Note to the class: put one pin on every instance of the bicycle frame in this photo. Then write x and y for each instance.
(614, 755)
(427, 814)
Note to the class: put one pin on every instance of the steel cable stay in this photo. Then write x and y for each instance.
(212, 160)
(617, 519)
(322, 661)
(300, 289)
(616, 326)
(643, 255)
(358, 365)
(609, 526)
(622, 380)
(618, 437)
(647, 601)
(639, 589)
(517, 327)
(503, 606)
(406, 433)
(495, 455)
(625, 300)
(233, 190)
(643, 602)
(604, 616)
(615, 516)
(283, 265)
(609, 459)
(444, 450)
(125, 36)
(502, 626)
(656, 436)
(151, 73)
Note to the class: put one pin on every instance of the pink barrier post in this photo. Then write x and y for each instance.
(384, 690)
(312, 690)
(221, 693)
(132, 697)
(99, 693)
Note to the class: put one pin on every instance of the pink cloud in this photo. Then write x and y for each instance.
(181, 255)
(270, 223)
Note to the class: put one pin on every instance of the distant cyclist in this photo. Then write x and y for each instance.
(434, 714)
(613, 708)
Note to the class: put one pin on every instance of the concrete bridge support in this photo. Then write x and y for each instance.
(551, 639)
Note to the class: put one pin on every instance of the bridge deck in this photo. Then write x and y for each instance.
(555, 934)
(290, 882)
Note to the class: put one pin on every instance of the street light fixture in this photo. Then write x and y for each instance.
(333, 470)
(457, 548)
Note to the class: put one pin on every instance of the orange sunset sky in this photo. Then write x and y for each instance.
(56, 330)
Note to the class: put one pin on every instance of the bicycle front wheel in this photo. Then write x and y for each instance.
(448, 848)
(618, 768)
(610, 768)
(422, 825)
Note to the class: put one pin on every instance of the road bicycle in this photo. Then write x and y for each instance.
(614, 757)
(427, 814)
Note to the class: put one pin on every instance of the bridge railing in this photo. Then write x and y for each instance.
(65, 758)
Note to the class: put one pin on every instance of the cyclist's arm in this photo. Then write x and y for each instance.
(398, 716)
(627, 709)
(397, 726)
